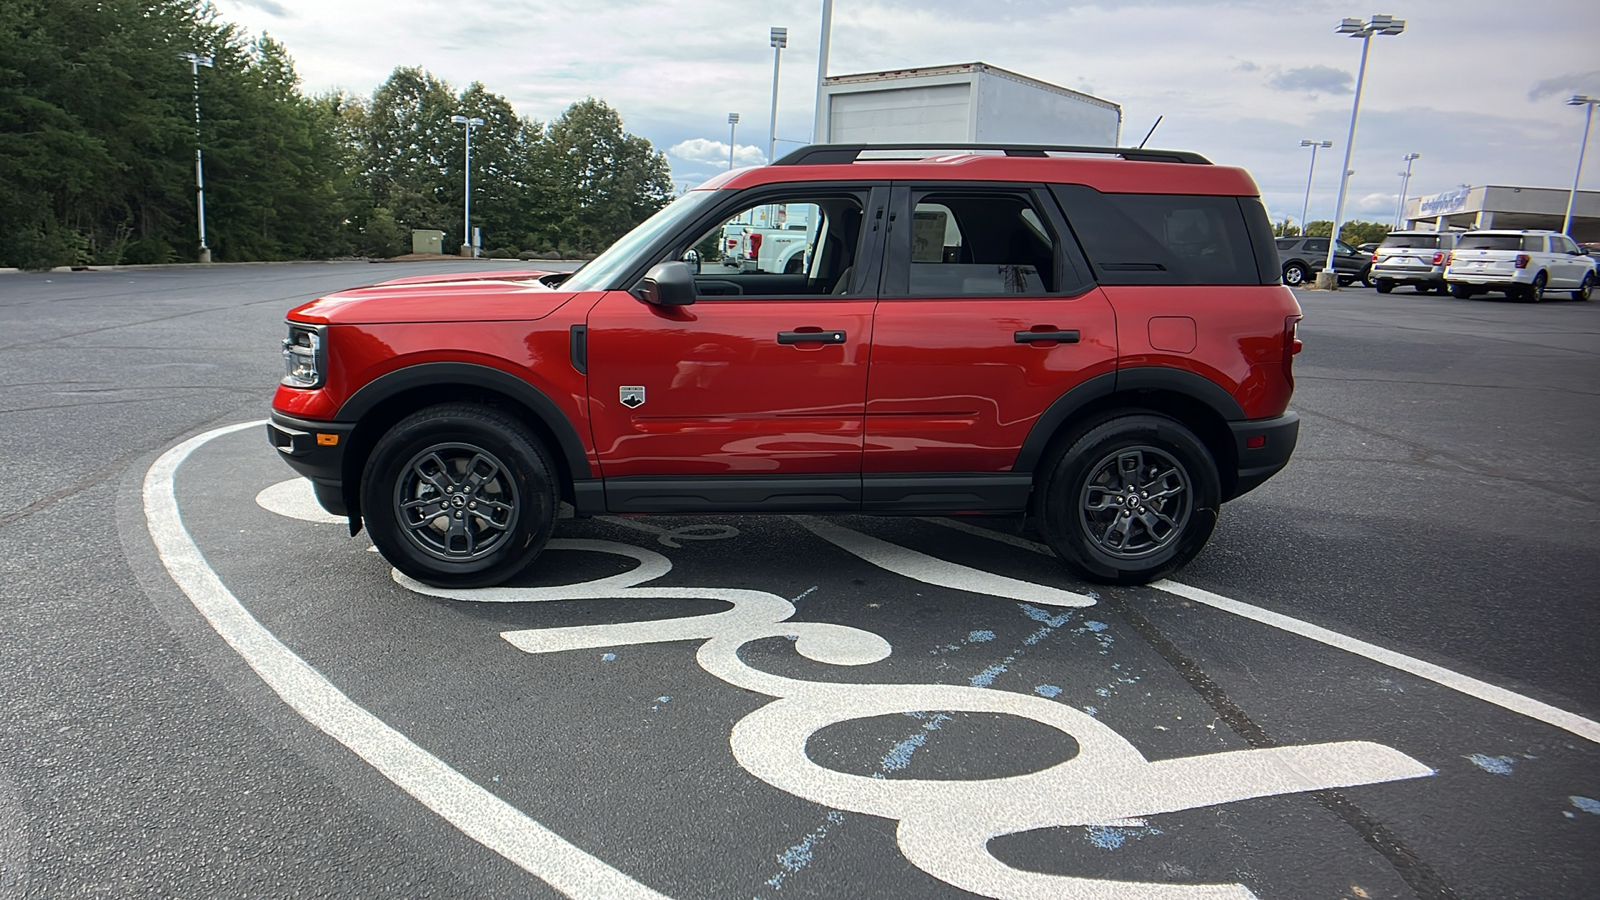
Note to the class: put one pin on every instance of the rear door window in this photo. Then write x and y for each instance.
(982, 244)
(1162, 238)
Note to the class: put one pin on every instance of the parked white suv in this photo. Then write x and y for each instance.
(1413, 257)
(1522, 264)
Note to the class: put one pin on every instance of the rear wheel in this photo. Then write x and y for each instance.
(1385, 285)
(1295, 274)
(459, 495)
(1534, 292)
(1461, 292)
(1130, 500)
(1586, 289)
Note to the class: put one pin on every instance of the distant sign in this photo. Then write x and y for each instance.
(1447, 202)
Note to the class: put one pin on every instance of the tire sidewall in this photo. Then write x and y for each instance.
(518, 450)
(1061, 522)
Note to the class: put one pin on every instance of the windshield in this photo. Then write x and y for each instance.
(1412, 241)
(1491, 242)
(600, 272)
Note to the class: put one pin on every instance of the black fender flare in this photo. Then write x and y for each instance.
(1140, 378)
(427, 374)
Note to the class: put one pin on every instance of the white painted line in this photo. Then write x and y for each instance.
(295, 499)
(1587, 729)
(478, 813)
(1472, 687)
(909, 563)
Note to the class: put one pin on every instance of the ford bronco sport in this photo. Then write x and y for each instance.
(1095, 337)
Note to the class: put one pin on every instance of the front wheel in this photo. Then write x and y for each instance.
(1586, 289)
(459, 495)
(1295, 274)
(1130, 500)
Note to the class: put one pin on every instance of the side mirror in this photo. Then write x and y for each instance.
(691, 258)
(667, 284)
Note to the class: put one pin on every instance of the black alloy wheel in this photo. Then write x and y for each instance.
(459, 495)
(1295, 274)
(1130, 500)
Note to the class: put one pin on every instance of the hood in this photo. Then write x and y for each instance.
(456, 297)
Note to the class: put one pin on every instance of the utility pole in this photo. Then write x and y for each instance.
(468, 248)
(780, 40)
(733, 129)
(819, 133)
(195, 62)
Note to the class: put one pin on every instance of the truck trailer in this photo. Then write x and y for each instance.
(967, 103)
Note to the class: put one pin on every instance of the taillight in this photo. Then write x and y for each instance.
(755, 246)
(1438, 257)
(1374, 256)
(1291, 347)
(1522, 260)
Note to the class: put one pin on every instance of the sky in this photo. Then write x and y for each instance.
(1477, 87)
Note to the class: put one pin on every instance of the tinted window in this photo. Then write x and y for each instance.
(1317, 245)
(979, 245)
(1491, 242)
(1161, 238)
(1412, 241)
(1287, 243)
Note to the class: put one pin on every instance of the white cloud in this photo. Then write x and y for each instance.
(1378, 203)
(703, 150)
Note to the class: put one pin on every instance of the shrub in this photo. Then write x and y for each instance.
(149, 251)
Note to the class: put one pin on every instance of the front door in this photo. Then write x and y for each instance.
(753, 397)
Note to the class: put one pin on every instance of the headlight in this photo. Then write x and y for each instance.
(305, 355)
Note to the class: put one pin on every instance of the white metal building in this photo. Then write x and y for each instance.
(1502, 206)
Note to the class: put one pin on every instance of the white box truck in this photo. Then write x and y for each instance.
(968, 103)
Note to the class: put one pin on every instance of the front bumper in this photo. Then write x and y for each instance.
(316, 450)
(1276, 438)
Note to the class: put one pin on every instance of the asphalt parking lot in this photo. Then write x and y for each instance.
(1377, 681)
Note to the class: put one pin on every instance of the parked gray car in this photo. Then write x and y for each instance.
(1413, 257)
(1303, 257)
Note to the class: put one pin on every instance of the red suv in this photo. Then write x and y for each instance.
(1096, 337)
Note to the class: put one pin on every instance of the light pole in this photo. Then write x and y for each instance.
(819, 131)
(733, 129)
(1304, 209)
(467, 247)
(1588, 103)
(1379, 24)
(1405, 183)
(195, 62)
(780, 40)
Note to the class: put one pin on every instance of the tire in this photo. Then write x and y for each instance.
(1461, 292)
(1534, 292)
(1295, 274)
(485, 466)
(1366, 276)
(1423, 288)
(1586, 289)
(1103, 528)
(1384, 285)
(1347, 281)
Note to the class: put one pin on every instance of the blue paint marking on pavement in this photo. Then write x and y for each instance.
(1047, 690)
(1110, 837)
(1092, 710)
(900, 757)
(800, 855)
(987, 676)
(607, 657)
(1592, 807)
(1494, 765)
(1040, 615)
(978, 637)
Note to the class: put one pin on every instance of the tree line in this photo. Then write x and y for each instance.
(98, 137)
(1353, 233)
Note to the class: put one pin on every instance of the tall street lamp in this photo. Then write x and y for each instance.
(1405, 183)
(733, 129)
(1379, 24)
(1588, 116)
(467, 247)
(1313, 171)
(780, 40)
(195, 62)
(819, 132)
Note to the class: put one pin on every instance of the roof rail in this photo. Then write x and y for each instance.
(836, 154)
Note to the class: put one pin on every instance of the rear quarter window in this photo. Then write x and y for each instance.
(1169, 238)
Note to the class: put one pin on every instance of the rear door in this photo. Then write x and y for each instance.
(984, 321)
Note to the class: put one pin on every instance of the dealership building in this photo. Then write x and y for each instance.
(1501, 206)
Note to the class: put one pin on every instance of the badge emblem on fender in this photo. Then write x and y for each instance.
(631, 396)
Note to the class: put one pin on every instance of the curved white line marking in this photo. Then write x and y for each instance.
(294, 499)
(1587, 729)
(478, 813)
(916, 566)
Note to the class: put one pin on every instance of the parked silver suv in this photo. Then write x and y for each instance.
(1522, 264)
(1413, 257)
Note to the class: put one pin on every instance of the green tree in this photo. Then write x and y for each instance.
(599, 180)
